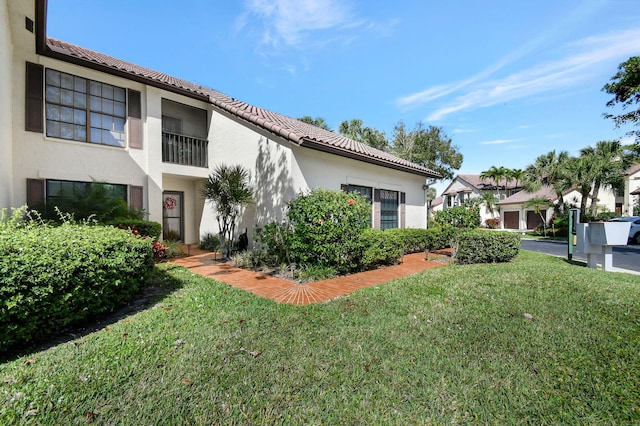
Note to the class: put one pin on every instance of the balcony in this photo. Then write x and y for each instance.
(184, 150)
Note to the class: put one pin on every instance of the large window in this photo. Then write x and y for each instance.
(65, 189)
(84, 110)
(365, 191)
(388, 209)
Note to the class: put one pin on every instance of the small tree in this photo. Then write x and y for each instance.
(490, 202)
(227, 189)
(539, 204)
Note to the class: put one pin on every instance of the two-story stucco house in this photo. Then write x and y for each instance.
(70, 116)
(467, 186)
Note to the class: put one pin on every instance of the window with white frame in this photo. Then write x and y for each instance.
(84, 110)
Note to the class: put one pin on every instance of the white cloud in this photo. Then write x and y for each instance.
(288, 22)
(580, 60)
(497, 142)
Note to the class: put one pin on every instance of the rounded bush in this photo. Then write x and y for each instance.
(52, 277)
(326, 228)
(486, 246)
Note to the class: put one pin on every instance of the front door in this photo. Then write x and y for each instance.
(172, 215)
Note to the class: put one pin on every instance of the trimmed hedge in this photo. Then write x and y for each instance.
(486, 246)
(416, 240)
(380, 248)
(144, 228)
(52, 277)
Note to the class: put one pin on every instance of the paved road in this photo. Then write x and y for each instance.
(626, 257)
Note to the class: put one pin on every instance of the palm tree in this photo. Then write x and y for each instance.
(515, 175)
(579, 175)
(318, 122)
(489, 200)
(608, 163)
(495, 173)
(549, 170)
(227, 189)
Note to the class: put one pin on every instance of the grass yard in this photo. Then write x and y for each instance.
(536, 341)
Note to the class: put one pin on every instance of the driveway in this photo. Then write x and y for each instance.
(625, 257)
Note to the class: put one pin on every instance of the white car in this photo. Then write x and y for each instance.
(634, 230)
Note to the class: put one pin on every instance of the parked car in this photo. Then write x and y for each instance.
(634, 230)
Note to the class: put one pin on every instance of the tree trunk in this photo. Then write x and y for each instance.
(594, 199)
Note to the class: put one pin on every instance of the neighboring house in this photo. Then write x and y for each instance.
(465, 187)
(70, 116)
(631, 196)
(437, 204)
(514, 214)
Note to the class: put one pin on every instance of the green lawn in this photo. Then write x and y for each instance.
(536, 341)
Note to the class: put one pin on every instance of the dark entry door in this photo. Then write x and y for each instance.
(172, 215)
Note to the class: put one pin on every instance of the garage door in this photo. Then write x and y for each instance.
(533, 219)
(511, 220)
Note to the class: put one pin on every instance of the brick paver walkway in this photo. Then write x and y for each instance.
(284, 291)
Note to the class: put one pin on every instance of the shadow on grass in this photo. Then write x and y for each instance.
(162, 285)
(575, 262)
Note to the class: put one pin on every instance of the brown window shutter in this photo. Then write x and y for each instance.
(134, 119)
(376, 208)
(402, 210)
(136, 199)
(35, 193)
(34, 80)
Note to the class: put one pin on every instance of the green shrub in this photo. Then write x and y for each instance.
(317, 273)
(459, 217)
(413, 239)
(243, 259)
(144, 228)
(210, 242)
(381, 248)
(52, 277)
(326, 228)
(174, 248)
(416, 240)
(486, 246)
(272, 243)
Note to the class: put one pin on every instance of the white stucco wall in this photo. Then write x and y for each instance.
(279, 169)
(315, 169)
(6, 118)
(630, 201)
(37, 156)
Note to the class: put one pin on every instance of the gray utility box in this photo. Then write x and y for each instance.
(597, 239)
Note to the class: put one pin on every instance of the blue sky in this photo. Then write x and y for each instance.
(507, 80)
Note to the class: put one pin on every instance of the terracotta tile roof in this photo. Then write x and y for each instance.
(296, 131)
(522, 196)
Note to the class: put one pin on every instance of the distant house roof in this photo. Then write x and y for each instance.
(633, 169)
(293, 130)
(522, 196)
(437, 201)
(486, 184)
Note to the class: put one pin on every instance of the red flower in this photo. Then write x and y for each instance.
(351, 202)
